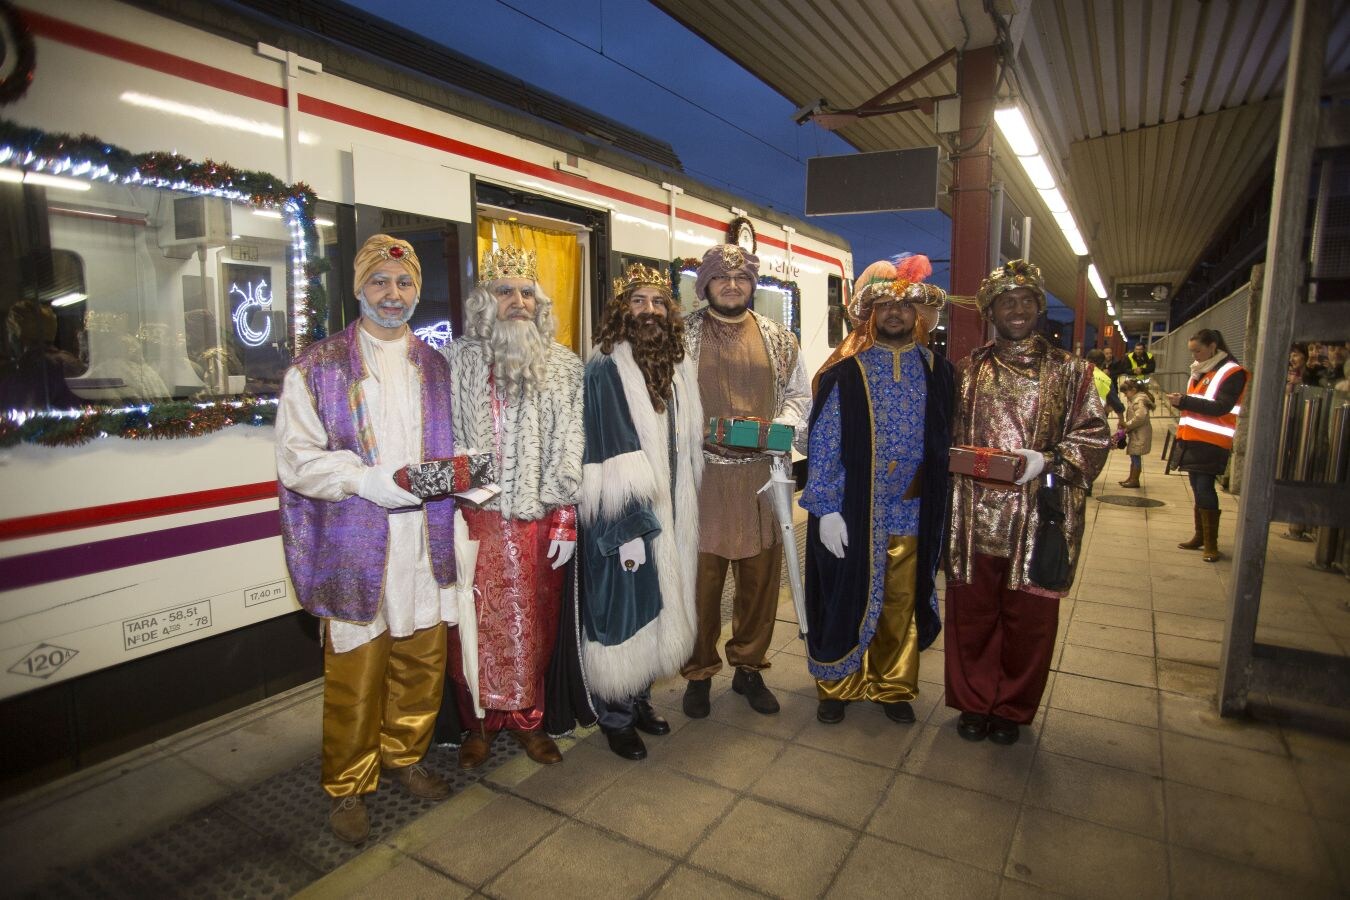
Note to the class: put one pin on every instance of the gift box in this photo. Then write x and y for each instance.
(986, 463)
(439, 477)
(749, 433)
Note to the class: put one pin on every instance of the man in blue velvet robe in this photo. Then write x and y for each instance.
(639, 507)
(877, 490)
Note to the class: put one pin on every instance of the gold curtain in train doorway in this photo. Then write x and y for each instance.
(559, 268)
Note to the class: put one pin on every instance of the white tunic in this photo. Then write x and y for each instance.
(412, 599)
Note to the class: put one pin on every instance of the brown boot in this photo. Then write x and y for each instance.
(538, 746)
(1133, 480)
(1211, 535)
(1198, 541)
(419, 781)
(475, 750)
(348, 819)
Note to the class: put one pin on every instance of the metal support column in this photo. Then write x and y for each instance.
(1253, 674)
(972, 185)
(1080, 301)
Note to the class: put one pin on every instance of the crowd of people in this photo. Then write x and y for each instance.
(617, 509)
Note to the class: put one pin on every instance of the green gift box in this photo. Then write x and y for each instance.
(753, 434)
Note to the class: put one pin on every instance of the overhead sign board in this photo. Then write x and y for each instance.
(1146, 301)
(884, 181)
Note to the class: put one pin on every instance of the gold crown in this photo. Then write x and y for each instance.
(509, 262)
(637, 274)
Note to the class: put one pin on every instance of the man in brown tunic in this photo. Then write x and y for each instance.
(748, 366)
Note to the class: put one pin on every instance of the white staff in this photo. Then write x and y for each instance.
(783, 486)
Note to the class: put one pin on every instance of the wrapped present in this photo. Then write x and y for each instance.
(749, 433)
(440, 477)
(986, 463)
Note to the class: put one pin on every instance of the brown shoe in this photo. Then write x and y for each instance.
(1198, 540)
(421, 782)
(348, 819)
(538, 746)
(475, 749)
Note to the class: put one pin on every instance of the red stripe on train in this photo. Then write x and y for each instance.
(112, 513)
(158, 60)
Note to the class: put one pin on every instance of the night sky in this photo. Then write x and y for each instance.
(633, 63)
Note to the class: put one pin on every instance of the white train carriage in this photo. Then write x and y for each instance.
(141, 581)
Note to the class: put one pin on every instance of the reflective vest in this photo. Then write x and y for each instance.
(1102, 381)
(1217, 430)
(1135, 365)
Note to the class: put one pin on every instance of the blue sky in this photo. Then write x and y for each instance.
(629, 61)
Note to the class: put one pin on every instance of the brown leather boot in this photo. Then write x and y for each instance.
(421, 782)
(538, 746)
(1198, 541)
(475, 749)
(1133, 480)
(1211, 535)
(348, 819)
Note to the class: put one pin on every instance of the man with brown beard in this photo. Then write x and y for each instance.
(517, 394)
(639, 506)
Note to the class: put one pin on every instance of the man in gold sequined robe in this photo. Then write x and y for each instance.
(1021, 394)
(748, 366)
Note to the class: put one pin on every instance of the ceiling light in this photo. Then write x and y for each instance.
(1096, 281)
(1110, 310)
(1037, 171)
(268, 213)
(41, 179)
(1015, 131)
(1054, 200)
(324, 223)
(70, 299)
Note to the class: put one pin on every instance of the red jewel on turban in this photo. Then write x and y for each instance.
(396, 252)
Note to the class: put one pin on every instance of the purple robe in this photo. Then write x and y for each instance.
(336, 550)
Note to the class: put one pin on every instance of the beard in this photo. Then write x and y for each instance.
(374, 314)
(656, 350)
(519, 353)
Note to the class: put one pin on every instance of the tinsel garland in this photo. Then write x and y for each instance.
(163, 420)
(97, 159)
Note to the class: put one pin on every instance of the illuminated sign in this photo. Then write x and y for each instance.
(257, 297)
(437, 334)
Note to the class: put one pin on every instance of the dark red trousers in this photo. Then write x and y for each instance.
(999, 644)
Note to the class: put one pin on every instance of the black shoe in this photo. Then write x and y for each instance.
(750, 683)
(973, 726)
(900, 711)
(1002, 731)
(831, 712)
(649, 720)
(696, 703)
(626, 743)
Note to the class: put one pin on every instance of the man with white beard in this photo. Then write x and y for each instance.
(517, 394)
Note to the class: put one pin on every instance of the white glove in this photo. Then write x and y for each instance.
(1035, 463)
(834, 534)
(632, 555)
(563, 551)
(377, 485)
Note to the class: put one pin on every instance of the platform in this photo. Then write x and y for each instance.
(1128, 784)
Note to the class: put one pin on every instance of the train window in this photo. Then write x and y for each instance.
(120, 293)
(835, 309)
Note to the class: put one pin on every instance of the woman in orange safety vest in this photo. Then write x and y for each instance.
(1205, 429)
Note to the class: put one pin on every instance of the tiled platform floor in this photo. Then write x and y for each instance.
(1128, 784)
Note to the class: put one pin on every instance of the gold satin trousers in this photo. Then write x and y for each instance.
(379, 707)
(890, 664)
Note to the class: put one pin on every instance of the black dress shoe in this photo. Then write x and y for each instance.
(626, 743)
(750, 683)
(1002, 731)
(649, 720)
(831, 712)
(973, 726)
(696, 703)
(900, 711)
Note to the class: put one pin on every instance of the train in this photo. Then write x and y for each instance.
(203, 174)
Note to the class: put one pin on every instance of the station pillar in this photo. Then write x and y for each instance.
(972, 195)
(1080, 301)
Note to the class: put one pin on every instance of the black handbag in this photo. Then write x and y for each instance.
(1050, 556)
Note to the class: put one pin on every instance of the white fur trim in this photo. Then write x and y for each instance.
(664, 644)
(606, 487)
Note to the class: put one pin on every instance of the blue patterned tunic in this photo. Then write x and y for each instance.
(898, 392)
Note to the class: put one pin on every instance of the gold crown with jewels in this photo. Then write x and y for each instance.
(637, 274)
(509, 262)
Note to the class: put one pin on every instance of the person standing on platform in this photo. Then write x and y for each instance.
(369, 558)
(1138, 427)
(877, 493)
(1106, 384)
(517, 396)
(1019, 394)
(639, 506)
(1209, 411)
(1141, 362)
(748, 366)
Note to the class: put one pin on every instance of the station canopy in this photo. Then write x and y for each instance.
(1157, 117)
